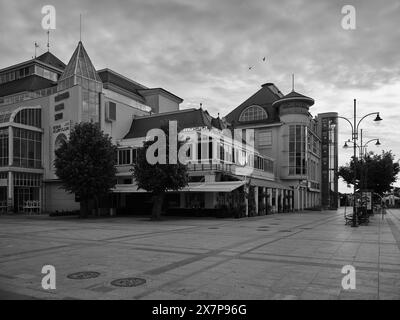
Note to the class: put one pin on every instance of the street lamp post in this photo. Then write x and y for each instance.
(354, 131)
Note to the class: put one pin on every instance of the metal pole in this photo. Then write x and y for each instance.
(354, 222)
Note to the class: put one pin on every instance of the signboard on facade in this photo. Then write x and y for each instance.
(60, 132)
(62, 127)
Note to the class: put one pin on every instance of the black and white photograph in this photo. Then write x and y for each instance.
(199, 155)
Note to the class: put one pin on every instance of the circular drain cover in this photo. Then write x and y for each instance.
(213, 228)
(83, 275)
(128, 282)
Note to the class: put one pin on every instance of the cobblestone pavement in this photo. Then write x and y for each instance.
(280, 256)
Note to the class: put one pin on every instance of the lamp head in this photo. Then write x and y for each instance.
(378, 118)
(345, 145)
(378, 143)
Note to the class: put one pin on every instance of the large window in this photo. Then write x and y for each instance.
(253, 113)
(90, 105)
(297, 150)
(127, 156)
(264, 138)
(27, 148)
(4, 147)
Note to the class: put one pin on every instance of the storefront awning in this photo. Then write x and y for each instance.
(268, 184)
(223, 186)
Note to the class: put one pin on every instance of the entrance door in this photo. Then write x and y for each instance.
(23, 194)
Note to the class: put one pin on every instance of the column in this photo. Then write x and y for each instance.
(264, 202)
(291, 200)
(10, 146)
(246, 199)
(282, 195)
(269, 190)
(181, 200)
(210, 200)
(10, 192)
(256, 198)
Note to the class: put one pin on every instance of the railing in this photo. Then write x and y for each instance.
(31, 206)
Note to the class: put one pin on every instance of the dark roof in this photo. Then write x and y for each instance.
(264, 98)
(110, 76)
(218, 123)
(294, 96)
(29, 83)
(52, 60)
(189, 118)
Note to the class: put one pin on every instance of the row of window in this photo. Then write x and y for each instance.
(129, 156)
(27, 71)
(27, 179)
(27, 96)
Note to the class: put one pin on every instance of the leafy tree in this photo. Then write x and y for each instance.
(85, 164)
(375, 171)
(158, 178)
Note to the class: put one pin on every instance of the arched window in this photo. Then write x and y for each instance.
(61, 138)
(28, 116)
(253, 113)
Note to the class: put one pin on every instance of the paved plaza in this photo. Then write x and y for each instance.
(280, 256)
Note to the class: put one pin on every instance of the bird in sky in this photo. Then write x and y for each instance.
(264, 59)
(250, 68)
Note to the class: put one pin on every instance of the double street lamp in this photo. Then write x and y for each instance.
(354, 133)
(362, 148)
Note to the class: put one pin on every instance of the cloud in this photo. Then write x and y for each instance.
(201, 50)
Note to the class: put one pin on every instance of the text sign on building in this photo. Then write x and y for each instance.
(62, 128)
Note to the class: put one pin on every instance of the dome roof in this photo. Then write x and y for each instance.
(294, 96)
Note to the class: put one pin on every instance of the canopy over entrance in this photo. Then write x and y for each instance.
(223, 186)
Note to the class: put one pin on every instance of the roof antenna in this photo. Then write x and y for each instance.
(48, 40)
(292, 82)
(36, 46)
(80, 27)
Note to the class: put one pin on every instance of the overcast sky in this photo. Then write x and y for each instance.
(202, 50)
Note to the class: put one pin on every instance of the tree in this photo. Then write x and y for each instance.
(85, 164)
(375, 172)
(159, 177)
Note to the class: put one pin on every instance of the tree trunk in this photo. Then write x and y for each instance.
(158, 200)
(96, 206)
(84, 208)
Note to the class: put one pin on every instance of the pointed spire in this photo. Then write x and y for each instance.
(80, 67)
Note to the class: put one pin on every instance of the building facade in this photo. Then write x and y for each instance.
(40, 100)
(286, 131)
(263, 157)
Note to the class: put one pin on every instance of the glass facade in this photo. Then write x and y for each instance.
(27, 147)
(90, 106)
(329, 166)
(4, 147)
(29, 117)
(297, 150)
